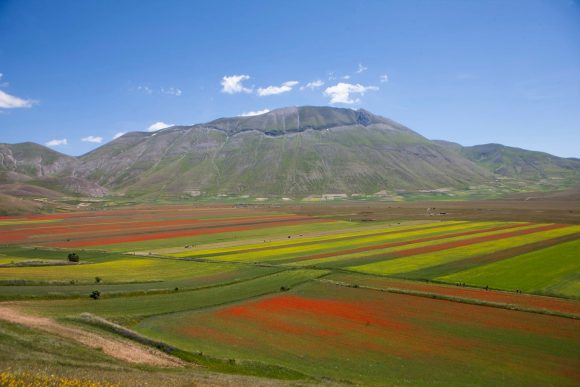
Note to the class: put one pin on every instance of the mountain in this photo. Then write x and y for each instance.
(286, 152)
(521, 163)
(30, 169)
(295, 151)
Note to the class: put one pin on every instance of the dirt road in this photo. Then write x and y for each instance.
(118, 348)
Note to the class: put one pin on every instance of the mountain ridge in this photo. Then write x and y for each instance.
(294, 151)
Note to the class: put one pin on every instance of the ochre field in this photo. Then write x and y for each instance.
(283, 296)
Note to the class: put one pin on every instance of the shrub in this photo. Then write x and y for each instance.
(73, 257)
(95, 295)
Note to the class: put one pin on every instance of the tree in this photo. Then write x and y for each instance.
(95, 295)
(73, 257)
(98, 279)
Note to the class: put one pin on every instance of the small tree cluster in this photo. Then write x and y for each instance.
(95, 295)
(73, 257)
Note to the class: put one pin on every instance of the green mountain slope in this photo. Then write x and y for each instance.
(295, 151)
(291, 151)
(521, 163)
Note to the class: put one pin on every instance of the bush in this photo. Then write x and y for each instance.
(73, 257)
(95, 295)
(98, 279)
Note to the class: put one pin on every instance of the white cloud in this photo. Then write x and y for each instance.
(95, 139)
(8, 101)
(254, 113)
(57, 142)
(145, 89)
(384, 78)
(116, 136)
(341, 92)
(346, 77)
(172, 91)
(361, 68)
(272, 90)
(233, 84)
(158, 126)
(313, 85)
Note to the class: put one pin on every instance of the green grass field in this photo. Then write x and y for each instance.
(559, 267)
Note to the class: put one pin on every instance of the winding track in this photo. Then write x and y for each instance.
(115, 347)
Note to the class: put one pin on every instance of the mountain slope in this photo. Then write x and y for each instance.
(295, 151)
(34, 170)
(290, 151)
(521, 163)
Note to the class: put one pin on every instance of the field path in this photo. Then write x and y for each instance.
(118, 348)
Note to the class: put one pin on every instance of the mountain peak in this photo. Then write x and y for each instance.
(300, 118)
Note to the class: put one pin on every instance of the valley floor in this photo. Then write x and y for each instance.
(314, 295)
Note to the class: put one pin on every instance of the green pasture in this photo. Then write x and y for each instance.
(47, 254)
(128, 309)
(554, 271)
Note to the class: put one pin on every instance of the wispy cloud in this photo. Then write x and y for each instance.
(384, 78)
(171, 91)
(234, 84)
(95, 139)
(8, 101)
(144, 89)
(158, 126)
(342, 92)
(254, 113)
(3, 84)
(346, 77)
(313, 85)
(56, 142)
(272, 90)
(361, 68)
(119, 134)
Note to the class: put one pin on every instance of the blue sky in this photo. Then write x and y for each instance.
(473, 72)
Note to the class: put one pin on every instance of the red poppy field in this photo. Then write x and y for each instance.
(370, 336)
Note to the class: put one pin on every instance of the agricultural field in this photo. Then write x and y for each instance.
(267, 297)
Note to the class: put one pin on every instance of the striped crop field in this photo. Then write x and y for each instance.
(559, 267)
(274, 294)
(104, 228)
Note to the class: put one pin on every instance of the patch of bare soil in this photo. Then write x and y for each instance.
(118, 348)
